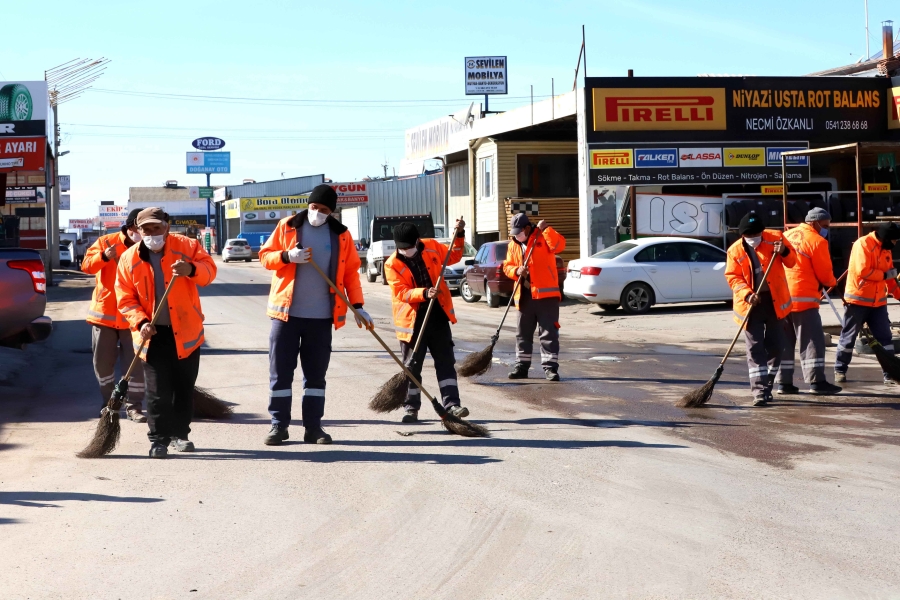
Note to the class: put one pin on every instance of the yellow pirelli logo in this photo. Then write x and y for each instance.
(649, 109)
(615, 158)
(877, 188)
(772, 190)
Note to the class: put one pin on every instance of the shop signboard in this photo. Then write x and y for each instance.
(188, 220)
(65, 202)
(64, 183)
(441, 136)
(694, 163)
(81, 223)
(22, 195)
(112, 215)
(742, 109)
(232, 209)
(209, 162)
(26, 179)
(208, 143)
(297, 202)
(23, 108)
(22, 154)
(200, 192)
(689, 216)
(486, 75)
(351, 193)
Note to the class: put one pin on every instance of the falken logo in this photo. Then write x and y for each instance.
(656, 158)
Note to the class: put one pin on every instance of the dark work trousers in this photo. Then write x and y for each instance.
(170, 387)
(855, 317)
(111, 346)
(806, 326)
(542, 314)
(310, 339)
(438, 341)
(764, 335)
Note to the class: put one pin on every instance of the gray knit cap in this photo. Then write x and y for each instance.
(817, 214)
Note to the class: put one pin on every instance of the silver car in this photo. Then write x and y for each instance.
(453, 274)
(237, 249)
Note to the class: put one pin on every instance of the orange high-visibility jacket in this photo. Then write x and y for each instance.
(542, 272)
(104, 310)
(866, 285)
(739, 274)
(407, 296)
(344, 267)
(136, 293)
(812, 269)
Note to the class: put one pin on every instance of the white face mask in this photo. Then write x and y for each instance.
(408, 252)
(135, 236)
(154, 242)
(316, 219)
(521, 237)
(753, 242)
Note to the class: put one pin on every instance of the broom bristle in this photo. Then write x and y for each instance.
(477, 363)
(391, 395)
(208, 406)
(890, 364)
(702, 394)
(462, 427)
(106, 437)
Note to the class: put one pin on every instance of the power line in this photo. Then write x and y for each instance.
(254, 129)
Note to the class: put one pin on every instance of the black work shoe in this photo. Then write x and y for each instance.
(458, 411)
(551, 374)
(787, 388)
(136, 415)
(182, 445)
(823, 388)
(888, 381)
(410, 416)
(840, 377)
(520, 371)
(158, 450)
(761, 401)
(316, 436)
(276, 435)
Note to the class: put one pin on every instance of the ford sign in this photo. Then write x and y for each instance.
(208, 143)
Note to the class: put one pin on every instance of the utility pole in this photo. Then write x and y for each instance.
(867, 31)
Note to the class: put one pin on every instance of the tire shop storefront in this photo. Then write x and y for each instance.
(254, 219)
(691, 156)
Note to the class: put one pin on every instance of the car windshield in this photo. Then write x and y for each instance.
(64, 248)
(238, 243)
(615, 250)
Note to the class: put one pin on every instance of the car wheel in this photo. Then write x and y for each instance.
(608, 307)
(248, 260)
(466, 292)
(383, 278)
(493, 299)
(371, 277)
(636, 298)
(224, 260)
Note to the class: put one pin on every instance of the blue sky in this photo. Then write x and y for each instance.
(407, 55)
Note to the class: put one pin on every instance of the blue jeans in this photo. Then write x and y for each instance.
(310, 339)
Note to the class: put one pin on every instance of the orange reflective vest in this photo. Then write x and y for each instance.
(812, 270)
(103, 310)
(739, 274)
(542, 273)
(407, 296)
(136, 293)
(344, 267)
(866, 285)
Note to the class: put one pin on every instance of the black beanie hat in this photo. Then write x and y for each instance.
(325, 195)
(751, 224)
(406, 235)
(129, 222)
(887, 232)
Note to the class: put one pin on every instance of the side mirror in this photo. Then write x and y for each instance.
(469, 263)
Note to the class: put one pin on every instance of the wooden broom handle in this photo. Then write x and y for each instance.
(343, 298)
(152, 322)
(828, 291)
(515, 287)
(747, 316)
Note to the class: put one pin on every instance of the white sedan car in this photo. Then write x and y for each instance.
(237, 249)
(636, 274)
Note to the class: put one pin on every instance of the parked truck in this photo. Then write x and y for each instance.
(381, 241)
(23, 298)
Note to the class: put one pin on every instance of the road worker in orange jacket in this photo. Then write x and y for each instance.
(110, 337)
(811, 274)
(747, 261)
(304, 309)
(537, 297)
(171, 348)
(871, 276)
(412, 272)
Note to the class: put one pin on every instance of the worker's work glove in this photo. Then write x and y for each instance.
(542, 225)
(460, 226)
(778, 247)
(363, 319)
(890, 274)
(299, 255)
(753, 300)
(147, 331)
(521, 271)
(431, 293)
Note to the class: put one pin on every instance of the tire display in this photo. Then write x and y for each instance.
(15, 103)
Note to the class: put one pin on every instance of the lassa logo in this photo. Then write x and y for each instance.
(647, 109)
(700, 157)
(612, 159)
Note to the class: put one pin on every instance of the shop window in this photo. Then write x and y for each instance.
(547, 175)
(487, 190)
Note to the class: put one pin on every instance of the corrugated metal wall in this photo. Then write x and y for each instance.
(415, 196)
(279, 187)
(458, 202)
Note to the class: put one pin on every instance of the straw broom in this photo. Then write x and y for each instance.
(701, 395)
(392, 394)
(479, 363)
(450, 422)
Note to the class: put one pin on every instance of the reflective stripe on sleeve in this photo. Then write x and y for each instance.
(403, 329)
(860, 298)
(804, 299)
(94, 313)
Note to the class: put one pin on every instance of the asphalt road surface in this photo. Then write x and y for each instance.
(594, 487)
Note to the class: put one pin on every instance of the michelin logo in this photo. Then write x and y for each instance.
(655, 158)
(773, 157)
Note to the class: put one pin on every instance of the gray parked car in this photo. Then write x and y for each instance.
(23, 298)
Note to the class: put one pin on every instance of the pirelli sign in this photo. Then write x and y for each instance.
(642, 109)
